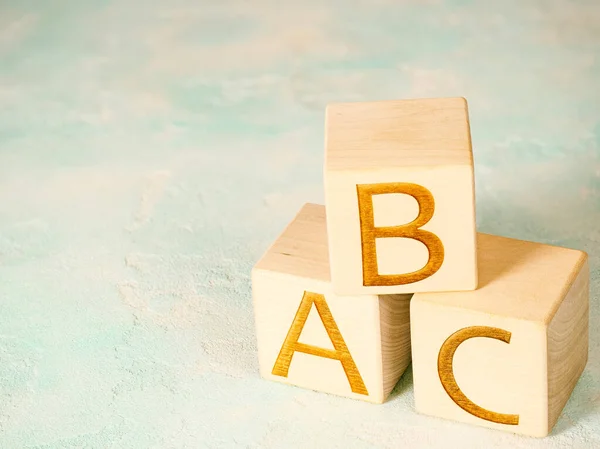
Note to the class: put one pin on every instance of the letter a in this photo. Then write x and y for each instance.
(368, 233)
(341, 353)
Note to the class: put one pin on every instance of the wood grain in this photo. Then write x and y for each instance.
(398, 133)
(394, 313)
(301, 249)
(541, 275)
(568, 343)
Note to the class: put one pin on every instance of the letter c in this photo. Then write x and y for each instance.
(446, 371)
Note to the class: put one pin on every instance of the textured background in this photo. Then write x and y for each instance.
(150, 152)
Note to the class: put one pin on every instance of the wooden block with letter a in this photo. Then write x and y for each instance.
(399, 189)
(509, 354)
(354, 346)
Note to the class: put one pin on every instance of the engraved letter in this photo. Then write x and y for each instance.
(446, 372)
(341, 353)
(368, 233)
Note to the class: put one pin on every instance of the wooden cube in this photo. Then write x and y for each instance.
(399, 191)
(354, 346)
(509, 354)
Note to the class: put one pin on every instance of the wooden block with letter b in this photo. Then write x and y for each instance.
(354, 346)
(509, 354)
(399, 189)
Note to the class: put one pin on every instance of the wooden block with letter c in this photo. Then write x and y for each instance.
(508, 354)
(353, 346)
(399, 191)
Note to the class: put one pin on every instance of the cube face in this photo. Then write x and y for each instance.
(398, 133)
(507, 355)
(429, 219)
(568, 339)
(277, 302)
(507, 380)
(407, 223)
(308, 336)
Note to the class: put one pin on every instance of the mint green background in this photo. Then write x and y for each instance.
(150, 151)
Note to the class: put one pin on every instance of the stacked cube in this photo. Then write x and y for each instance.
(393, 267)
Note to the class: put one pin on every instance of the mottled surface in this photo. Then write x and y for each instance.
(150, 151)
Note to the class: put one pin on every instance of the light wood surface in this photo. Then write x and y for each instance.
(340, 351)
(399, 190)
(394, 315)
(399, 133)
(301, 249)
(541, 275)
(353, 346)
(508, 354)
(568, 344)
(448, 380)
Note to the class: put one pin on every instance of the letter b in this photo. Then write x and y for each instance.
(369, 233)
